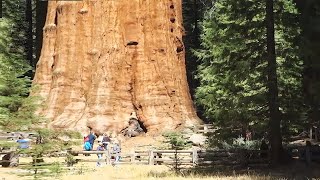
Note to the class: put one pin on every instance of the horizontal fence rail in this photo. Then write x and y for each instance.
(15, 135)
(167, 157)
(205, 128)
(201, 158)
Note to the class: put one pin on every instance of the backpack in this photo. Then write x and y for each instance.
(87, 146)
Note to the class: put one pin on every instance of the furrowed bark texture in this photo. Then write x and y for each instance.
(103, 59)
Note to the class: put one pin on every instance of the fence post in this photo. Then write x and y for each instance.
(194, 157)
(205, 128)
(316, 133)
(196, 129)
(108, 157)
(308, 157)
(151, 157)
(133, 156)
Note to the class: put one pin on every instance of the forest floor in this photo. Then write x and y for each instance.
(86, 171)
(129, 172)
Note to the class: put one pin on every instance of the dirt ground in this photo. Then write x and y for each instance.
(88, 171)
(142, 143)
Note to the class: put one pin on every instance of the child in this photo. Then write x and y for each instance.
(99, 148)
(116, 150)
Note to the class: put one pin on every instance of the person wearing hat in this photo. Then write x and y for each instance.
(99, 148)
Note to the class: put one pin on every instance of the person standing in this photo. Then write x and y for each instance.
(24, 143)
(91, 139)
(105, 140)
(116, 150)
(99, 148)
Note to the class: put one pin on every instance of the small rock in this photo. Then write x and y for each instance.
(198, 139)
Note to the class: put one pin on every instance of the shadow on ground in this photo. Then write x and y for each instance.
(293, 170)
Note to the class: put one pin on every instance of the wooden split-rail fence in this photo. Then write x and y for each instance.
(181, 157)
(189, 158)
(197, 158)
(12, 136)
(202, 158)
(147, 157)
(205, 128)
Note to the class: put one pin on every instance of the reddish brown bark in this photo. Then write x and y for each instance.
(102, 60)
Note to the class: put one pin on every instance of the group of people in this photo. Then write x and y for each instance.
(105, 142)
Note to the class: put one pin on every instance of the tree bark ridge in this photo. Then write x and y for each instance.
(102, 60)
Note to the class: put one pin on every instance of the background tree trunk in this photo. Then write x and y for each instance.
(102, 60)
(29, 41)
(309, 10)
(41, 9)
(273, 100)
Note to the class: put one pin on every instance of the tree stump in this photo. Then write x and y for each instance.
(243, 158)
(10, 160)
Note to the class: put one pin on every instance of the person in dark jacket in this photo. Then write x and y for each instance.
(91, 137)
(105, 140)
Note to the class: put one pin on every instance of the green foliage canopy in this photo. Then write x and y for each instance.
(233, 65)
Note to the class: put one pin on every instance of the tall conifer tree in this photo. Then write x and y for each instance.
(233, 71)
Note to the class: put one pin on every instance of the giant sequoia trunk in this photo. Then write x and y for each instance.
(102, 60)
